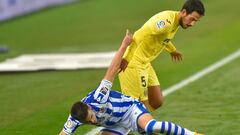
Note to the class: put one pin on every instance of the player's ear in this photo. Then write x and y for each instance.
(183, 12)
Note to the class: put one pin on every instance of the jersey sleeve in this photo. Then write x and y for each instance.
(160, 27)
(160, 23)
(170, 47)
(71, 125)
(102, 92)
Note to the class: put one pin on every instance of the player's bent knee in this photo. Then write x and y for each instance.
(151, 106)
(155, 105)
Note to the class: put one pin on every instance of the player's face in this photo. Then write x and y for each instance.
(189, 20)
(91, 118)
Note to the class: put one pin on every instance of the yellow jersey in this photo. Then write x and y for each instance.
(153, 37)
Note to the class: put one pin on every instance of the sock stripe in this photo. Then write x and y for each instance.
(150, 126)
(183, 131)
(169, 128)
(163, 127)
(166, 127)
(175, 130)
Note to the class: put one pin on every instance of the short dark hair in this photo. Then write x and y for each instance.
(194, 5)
(79, 111)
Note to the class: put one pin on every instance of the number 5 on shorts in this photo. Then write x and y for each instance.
(143, 80)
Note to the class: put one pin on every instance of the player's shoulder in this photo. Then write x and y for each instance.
(164, 20)
(169, 16)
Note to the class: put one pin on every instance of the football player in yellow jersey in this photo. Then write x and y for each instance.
(138, 78)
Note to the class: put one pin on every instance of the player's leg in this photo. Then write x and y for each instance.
(150, 125)
(130, 82)
(149, 107)
(145, 122)
(155, 98)
(142, 84)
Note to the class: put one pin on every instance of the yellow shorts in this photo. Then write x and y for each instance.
(135, 81)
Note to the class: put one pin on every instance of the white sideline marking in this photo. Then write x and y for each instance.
(190, 79)
(201, 73)
(37, 62)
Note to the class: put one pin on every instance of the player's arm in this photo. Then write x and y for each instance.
(162, 26)
(70, 126)
(130, 51)
(169, 47)
(176, 55)
(115, 64)
(62, 133)
(128, 55)
(101, 94)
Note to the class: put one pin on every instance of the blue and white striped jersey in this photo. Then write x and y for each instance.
(109, 106)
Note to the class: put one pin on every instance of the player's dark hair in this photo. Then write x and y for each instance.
(79, 111)
(194, 5)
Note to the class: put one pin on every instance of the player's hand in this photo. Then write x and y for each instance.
(176, 56)
(123, 65)
(127, 39)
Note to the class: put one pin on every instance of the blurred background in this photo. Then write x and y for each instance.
(38, 103)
